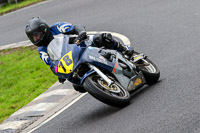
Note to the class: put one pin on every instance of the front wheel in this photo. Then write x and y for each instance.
(114, 95)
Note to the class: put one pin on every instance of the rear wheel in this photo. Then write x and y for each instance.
(114, 95)
(149, 70)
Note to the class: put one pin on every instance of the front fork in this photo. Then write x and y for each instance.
(101, 74)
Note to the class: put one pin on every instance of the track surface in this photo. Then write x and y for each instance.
(167, 31)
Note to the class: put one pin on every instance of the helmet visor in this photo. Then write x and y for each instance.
(36, 37)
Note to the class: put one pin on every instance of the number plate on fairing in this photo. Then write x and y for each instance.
(138, 57)
(136, 82)
(65, 64)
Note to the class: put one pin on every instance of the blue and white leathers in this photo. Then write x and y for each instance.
(55, 29)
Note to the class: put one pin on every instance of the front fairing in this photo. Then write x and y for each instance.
(67, 57)
(64, 56)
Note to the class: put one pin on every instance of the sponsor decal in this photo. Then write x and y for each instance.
(101, 59)
(137, 82)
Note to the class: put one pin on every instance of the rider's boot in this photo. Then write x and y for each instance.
(125, 50)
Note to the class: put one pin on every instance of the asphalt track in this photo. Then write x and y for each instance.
(167, 31)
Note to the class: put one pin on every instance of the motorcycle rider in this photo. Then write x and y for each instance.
(40, 34)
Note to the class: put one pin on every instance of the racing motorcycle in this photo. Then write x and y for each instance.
(105, 74)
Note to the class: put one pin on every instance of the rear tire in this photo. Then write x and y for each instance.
(151, 72)
(119, 97)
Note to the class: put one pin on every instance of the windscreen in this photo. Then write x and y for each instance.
(55, 47)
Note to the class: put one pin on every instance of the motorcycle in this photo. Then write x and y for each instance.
(105, 74)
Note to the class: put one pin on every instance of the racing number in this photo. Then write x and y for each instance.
(66, 64)
(62, 66)
(67, 60)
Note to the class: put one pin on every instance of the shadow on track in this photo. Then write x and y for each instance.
(145, 88)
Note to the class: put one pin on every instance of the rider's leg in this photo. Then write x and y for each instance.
(106, 40)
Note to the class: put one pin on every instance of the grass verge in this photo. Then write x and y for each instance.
(12, 7)
(23, 77)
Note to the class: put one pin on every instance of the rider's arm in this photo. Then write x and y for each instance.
(42, 50)
(66, 28)
(76, 30)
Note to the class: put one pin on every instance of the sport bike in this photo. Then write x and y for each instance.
(105, 74)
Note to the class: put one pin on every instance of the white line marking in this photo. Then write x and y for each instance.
(15, 45)
(57, 113)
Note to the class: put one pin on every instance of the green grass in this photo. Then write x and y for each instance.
(23, 77)
(11, 7)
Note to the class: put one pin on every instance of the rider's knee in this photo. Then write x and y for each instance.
(98, 40)
(104, 40)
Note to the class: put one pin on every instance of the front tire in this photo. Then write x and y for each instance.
(115, 95)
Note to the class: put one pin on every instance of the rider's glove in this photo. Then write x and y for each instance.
(53, 69)
(61, 80)
(81, 37)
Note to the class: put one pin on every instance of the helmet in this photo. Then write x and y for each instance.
(38, 32)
